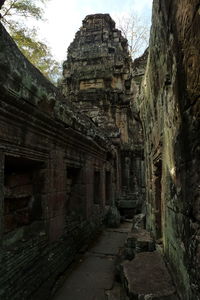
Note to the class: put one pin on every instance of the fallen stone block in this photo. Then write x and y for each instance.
(141, 240)
(147, 277)
(137, 241)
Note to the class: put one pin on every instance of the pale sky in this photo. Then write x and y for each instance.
(64, 18)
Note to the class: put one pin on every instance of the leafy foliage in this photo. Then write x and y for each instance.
(13, 13)
(23, 8)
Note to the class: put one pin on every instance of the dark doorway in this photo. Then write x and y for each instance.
(158, 198)
(23, 186)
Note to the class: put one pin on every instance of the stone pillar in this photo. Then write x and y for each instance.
(127, 172)
(108, 187)
(2, 160)
(103, 187)
(117, 173)
(112, 189)
(57, 195)
(88, 181)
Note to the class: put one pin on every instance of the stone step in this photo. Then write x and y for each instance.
(147, 277)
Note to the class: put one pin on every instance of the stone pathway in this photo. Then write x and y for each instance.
(93, 277)
(143, 275)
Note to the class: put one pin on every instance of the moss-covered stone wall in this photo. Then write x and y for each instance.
(169, 107)
(49, 154)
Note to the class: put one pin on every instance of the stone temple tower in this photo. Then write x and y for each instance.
(97, 78)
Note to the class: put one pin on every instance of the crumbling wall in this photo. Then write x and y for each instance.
(97, 77)
(49, 155)
(169, 108)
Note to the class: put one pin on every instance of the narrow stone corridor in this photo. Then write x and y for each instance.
(93, 277)
(104, 272)
(116, 139)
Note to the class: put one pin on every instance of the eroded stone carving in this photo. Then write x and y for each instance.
(169, 109)
(98, 79)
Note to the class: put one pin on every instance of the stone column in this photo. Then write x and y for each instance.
(112, 189)
(2, 161)
(57, 194)
(103, 187)
(127, 172)
(89, 182)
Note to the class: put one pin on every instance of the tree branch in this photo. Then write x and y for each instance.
(2, 3)
(9, 8)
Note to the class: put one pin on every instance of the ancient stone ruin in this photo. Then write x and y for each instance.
(116, 139)
(98, 80)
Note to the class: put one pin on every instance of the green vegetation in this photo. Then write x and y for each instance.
(13, 15)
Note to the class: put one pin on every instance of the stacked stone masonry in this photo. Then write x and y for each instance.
(61, 171)
(49, 154)
(70, 155)
(169, 107)
(98, 78)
